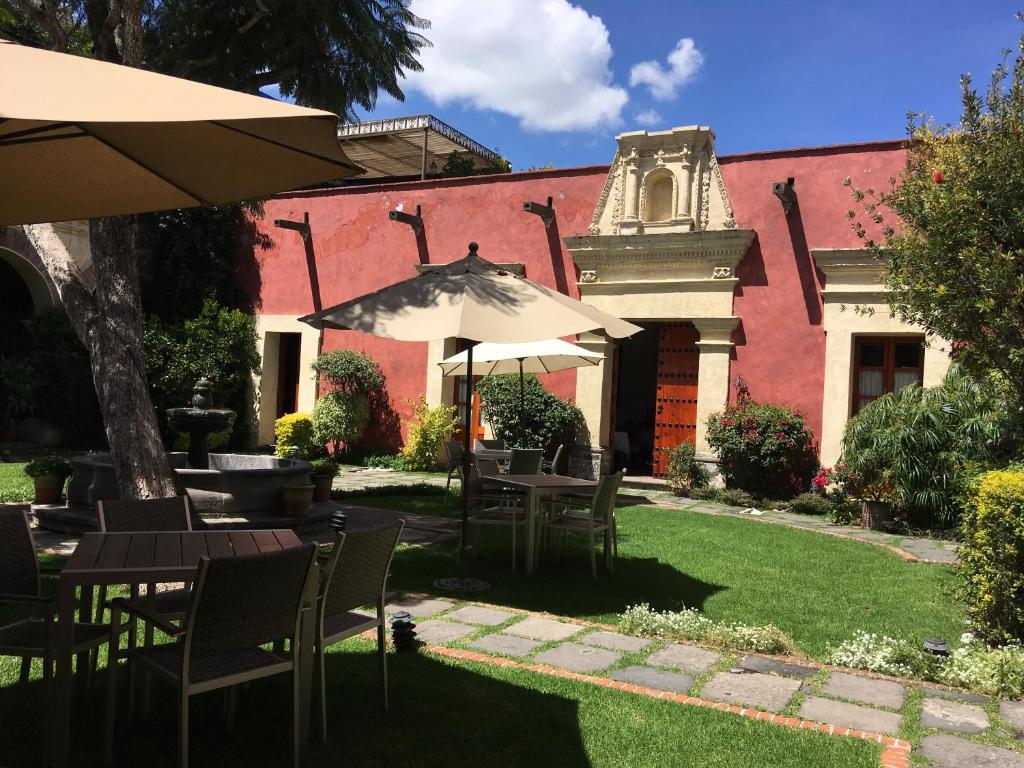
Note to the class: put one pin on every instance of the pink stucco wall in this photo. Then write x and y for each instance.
(357, 249)
(780, 345)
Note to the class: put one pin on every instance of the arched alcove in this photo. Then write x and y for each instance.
(23, 293)
(658, 197)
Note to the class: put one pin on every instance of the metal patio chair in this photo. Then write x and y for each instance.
(239, 604)
(525, 461)
(597, 519)
(354, 575)
(559, 464)
(490, 445)
(34, 637)
(494, 506)
(454, 452)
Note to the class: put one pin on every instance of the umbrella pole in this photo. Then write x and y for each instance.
(521, 397)
(466, 455)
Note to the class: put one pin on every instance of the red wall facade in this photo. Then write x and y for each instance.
(355, 249)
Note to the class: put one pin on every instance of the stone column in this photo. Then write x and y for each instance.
(713, 373)
(594, 391)
(631, 192)
(439, 388)
(685, 183)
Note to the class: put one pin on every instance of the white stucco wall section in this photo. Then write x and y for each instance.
(855, 304)
(268, 328)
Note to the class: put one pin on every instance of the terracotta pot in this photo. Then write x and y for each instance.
(49, 488)
(321, 487)
(874, 515)
(297, 499)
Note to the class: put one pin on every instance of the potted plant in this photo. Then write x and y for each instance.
(322, 476)
(297, 499)
(49, 473)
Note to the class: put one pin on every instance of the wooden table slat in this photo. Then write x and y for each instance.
(86, 552)
(113, 551)
(192, 548)
(266, 541)
(286, 538)
(141, 551)
(168, 549)
(242, 543)
(218, 544)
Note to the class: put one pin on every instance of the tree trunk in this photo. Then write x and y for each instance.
(108, 320)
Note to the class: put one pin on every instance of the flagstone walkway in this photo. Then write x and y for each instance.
(954, 728)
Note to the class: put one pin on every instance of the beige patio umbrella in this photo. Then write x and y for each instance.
(474, 300)
(81, 138)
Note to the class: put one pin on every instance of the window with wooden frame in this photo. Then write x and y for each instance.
(459, 401)
(885, 364)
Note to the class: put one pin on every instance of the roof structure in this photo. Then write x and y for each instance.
(409, 146)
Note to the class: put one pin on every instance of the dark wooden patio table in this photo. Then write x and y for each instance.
(536, 486)
(148, 558)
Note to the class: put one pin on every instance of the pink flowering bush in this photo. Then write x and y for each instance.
(767, 450)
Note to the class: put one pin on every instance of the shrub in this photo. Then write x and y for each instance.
(764, 449)
(16, 390)
(295, 430)
(922, 446)
(691, 624)
(732, 497)
(995, 671)
(684, 471)
(48, 465)
(340, 418)
(326, 466)
(426, 431)
(384, 461)
(844, 512)
(992, 556)
(810, 504)
(537, 419)
(883, 654)
(348, 371)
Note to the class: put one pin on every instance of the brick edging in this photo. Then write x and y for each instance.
(895, 752)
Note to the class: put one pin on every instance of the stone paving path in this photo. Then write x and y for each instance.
(956, 729)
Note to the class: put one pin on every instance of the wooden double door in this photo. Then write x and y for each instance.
(675, 400)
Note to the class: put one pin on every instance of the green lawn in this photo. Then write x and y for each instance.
(819, 589)
(15, 486)
(442, 714)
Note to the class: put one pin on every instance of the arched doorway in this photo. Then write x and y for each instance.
(23, 293)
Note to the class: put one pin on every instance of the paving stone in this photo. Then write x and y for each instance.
(849, 715)
(440, 631)
(953, 716)
(953, 752)
(577, 658)
(689, 658)
(942, 693)
(476, 614)
(883, 693)
(761, 664)
(751, 689)
(658, 679)
(507, 645)
(1013, 713)
(616, 642)
(545, 630)
(420, 606)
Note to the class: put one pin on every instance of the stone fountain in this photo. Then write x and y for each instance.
(226, 490)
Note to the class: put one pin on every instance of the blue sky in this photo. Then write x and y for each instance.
(553, 81)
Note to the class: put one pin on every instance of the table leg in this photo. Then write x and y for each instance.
(531, 529)
(60, 714)
(307, 651)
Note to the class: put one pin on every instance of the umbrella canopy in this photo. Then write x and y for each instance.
(81, 138)
(469, 299)
(529, 357)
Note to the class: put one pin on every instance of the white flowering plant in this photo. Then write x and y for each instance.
(691, 624)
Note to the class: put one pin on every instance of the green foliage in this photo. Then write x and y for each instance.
(426, 431)
(535, 419)
(764, 449)
(384, 461)
(326, 466)
(731, 497)
(690, 624)
(219, 344)
(48, 465)
(349, 372)
(340, 418)
(295, 438)
(992, 556)
(950, 229)
(684, 471)
(15, 485)
(810, 504)
(920, 447)
(17, 393)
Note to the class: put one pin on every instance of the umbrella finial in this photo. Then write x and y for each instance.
(473, 248)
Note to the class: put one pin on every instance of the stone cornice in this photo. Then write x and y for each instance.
(657, 286)
(835, 260)
(726, 247)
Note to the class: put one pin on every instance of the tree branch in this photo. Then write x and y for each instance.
(44, 15)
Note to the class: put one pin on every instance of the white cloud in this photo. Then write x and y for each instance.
(648, 117)
(544, 62)
(683, 63)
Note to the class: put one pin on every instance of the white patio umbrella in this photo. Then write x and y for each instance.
(545, 356)
(474, 300)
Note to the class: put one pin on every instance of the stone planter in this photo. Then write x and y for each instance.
(321, 487)
(297, 499)
(875, 515)
(49, 488)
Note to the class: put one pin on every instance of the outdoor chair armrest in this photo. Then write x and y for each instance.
(146, 615)
(26, 600)
(50, 570)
